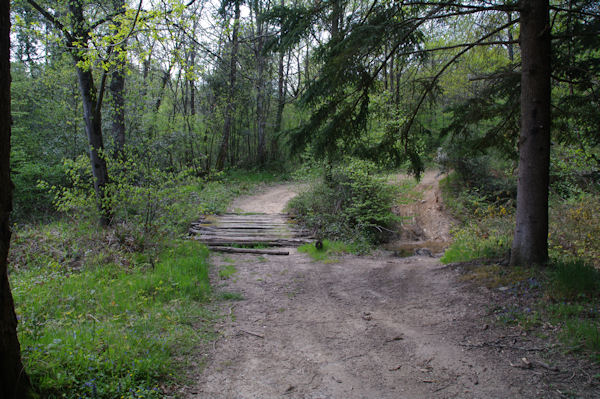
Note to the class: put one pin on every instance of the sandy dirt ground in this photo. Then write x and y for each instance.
(377, 326)
(271, 200)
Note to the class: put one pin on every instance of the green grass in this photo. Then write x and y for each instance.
(572, 280)
(227, 271)
(470, 243)
(231, 296)
(115, 312)
(328, 252)
(112, 331)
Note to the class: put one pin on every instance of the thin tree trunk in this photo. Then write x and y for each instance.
(230, 107)
(117, 90)
(93, 128)
(91, 100)
(280, 106)
(260, 92)
(511, 50)
(14, 382)
(530, 244)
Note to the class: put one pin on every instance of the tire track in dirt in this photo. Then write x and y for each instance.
(374, 326)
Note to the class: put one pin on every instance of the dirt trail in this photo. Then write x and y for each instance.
(271, 200)
(365, 327)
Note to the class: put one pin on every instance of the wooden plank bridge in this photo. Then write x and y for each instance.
(249, 230)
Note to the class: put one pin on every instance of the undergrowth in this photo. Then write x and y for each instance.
(561, 299)
(110, 331)
(115, 312)
(329, 251)
(348, 204)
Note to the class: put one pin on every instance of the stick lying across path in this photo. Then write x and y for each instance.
(248, 250)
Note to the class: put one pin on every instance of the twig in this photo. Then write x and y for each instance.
(442, 388)
(253, 333)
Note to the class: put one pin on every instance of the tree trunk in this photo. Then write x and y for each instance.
(511, 50)
(260, 91)
(230, 108)
(93, 129)
(14, 382)
(530, 244)
(91, 111)
(280, 105)
(117, 90)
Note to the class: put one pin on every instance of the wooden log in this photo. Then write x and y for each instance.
(271, 243)
(248, 250)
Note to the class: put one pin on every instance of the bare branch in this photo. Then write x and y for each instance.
(53, 21)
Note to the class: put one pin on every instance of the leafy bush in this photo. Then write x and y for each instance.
(573, 172)
(575, 228)
(486, 231)
(30, 201)
(349, 203)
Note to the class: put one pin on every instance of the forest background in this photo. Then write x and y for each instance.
(141, 116)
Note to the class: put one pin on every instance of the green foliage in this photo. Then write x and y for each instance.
(476, 241)
(103, 315)
(31, 201)
(486, 230)
(575, 228)
(112, 331)
(573, 172)
(350, 204)
(329, 249)
(571, 280)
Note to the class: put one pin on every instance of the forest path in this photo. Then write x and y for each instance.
(374, 326)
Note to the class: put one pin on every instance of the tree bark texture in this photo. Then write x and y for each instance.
(117, 88)
(530, 243)
(230, 107)
(14, 382)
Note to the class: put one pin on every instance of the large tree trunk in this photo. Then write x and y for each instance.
(14, 382)
(530, 244)
(230, 108)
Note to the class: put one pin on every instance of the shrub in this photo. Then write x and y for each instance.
(349, 203)
(575, 228)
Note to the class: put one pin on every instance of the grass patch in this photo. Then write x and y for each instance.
(474, 242)
(574, 280)
(227, 271)
(494, 276)
(328, 252)
(230, 296)
(112, 332)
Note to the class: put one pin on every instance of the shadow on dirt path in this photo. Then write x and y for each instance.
(375, 326)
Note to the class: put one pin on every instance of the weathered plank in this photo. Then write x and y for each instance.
(259, 229)
(249, 250)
